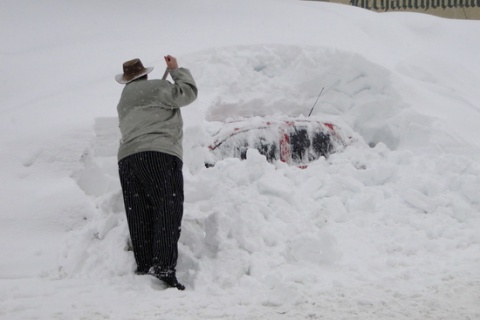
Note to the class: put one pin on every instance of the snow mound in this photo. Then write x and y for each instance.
(285, 232)
(285, 80)
(387, 229)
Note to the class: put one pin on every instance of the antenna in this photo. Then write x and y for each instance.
(316, 101)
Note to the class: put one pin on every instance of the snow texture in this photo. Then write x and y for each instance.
(385, 229)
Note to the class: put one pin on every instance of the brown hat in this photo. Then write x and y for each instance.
(132, 69)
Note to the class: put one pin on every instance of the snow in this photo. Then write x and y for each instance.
(386, 229)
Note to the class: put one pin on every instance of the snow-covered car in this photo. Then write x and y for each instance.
(295, 141)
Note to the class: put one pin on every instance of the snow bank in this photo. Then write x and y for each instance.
(387, 229)
(377, 215)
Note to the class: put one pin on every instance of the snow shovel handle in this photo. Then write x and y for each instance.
(165, 75)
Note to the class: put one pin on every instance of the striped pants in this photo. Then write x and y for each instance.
(152, 185)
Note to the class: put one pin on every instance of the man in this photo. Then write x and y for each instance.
(150, 163)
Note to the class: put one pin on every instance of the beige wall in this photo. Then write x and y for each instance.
(456, 9)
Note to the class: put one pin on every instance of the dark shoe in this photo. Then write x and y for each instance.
(172, 282)
(168, 277)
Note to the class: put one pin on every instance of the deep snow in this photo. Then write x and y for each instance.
(387, 229)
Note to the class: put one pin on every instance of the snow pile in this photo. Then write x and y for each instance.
(385, 229)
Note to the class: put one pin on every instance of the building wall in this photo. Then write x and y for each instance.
(455, 9)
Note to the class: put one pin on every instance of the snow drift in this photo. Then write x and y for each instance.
(387, 229)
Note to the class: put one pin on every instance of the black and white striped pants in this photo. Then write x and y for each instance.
(152, 185)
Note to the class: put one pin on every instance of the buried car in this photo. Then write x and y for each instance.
(295, 141)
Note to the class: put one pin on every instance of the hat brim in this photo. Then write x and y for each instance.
(121, 78)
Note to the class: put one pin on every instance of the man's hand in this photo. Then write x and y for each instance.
(171, 62)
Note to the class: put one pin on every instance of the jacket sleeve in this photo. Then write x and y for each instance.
(182, 92)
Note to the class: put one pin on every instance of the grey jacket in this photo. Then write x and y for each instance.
(149, 114)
